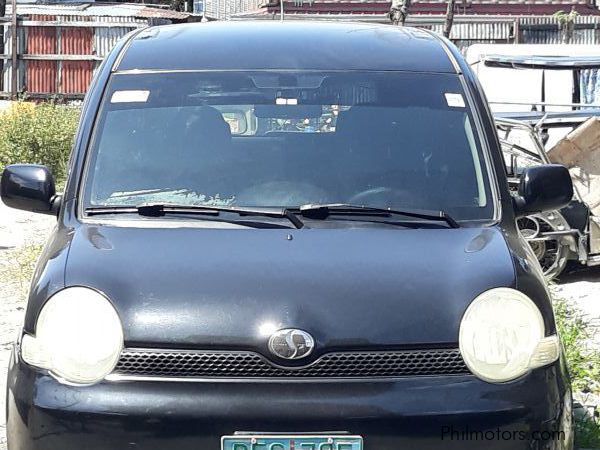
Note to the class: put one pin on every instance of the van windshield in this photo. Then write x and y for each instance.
(283, 139)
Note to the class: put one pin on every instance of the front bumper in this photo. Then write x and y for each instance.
(392, 414)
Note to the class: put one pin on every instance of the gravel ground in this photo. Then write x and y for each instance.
(582, 287)
(20, 229)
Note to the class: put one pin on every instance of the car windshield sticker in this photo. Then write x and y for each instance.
(455, 100)
(286, 101)
(130, 97)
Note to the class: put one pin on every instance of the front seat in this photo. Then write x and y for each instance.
(206, 135)
(381, 167)
(202, 156)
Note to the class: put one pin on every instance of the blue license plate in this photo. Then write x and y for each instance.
(297, 442)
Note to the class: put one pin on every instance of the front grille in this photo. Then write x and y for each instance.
(223, 364)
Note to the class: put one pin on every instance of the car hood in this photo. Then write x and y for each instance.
(230, 289)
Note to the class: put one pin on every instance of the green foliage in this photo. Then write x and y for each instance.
(38, 133)
(587, 433)
(564, 18)
(582, 359)
(566, 24)
(584, 366)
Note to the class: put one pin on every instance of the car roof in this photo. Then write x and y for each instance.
(288, 45)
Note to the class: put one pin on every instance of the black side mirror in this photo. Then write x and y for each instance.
(543, 188)
(29, 187)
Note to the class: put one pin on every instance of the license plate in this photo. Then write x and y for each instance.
(291, 442)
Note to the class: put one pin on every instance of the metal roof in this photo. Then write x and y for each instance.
(376, 4)
(98, 10)
(552, 118)
(543, 62)
(379, 7)
(285, 45)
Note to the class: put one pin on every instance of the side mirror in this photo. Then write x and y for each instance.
(29, 187)
(543, 188)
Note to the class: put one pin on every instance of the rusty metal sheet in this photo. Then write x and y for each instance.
(41, 75)
(75, 76)
(149, 12)
(99, 10)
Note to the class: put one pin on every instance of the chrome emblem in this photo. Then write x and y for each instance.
(291, 344)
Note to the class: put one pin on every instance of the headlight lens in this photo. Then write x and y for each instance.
(78, 336)
(502, 336)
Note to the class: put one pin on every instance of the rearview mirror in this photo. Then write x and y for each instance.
(29, 187)
(543, 188)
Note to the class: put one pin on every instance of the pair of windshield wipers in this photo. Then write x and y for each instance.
(309, 211)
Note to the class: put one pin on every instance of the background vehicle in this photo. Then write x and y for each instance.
(538, 95)
(571, 233)
(548, 78)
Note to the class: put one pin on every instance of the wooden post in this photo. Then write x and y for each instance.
(2, 15)
(15, 49)
(449, 18)
(59, 63)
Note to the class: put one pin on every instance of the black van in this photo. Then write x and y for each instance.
(287, 236)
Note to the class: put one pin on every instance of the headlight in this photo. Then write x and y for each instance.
(502, 336)
(78, 336)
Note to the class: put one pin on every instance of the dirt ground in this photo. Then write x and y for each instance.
(582, 287)
(20, 230)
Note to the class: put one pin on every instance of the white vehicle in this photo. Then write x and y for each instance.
(551, 81)
(538, 94)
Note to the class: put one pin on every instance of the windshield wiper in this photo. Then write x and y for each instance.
(162, 209)
(322, 211)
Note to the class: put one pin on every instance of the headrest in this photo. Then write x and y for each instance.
(207, 126)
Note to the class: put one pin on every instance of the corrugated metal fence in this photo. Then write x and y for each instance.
(60, 49)
(543, 30)
(503, 30)
(466, 34)
(7, 67)
(223, 9)
(59, 52)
